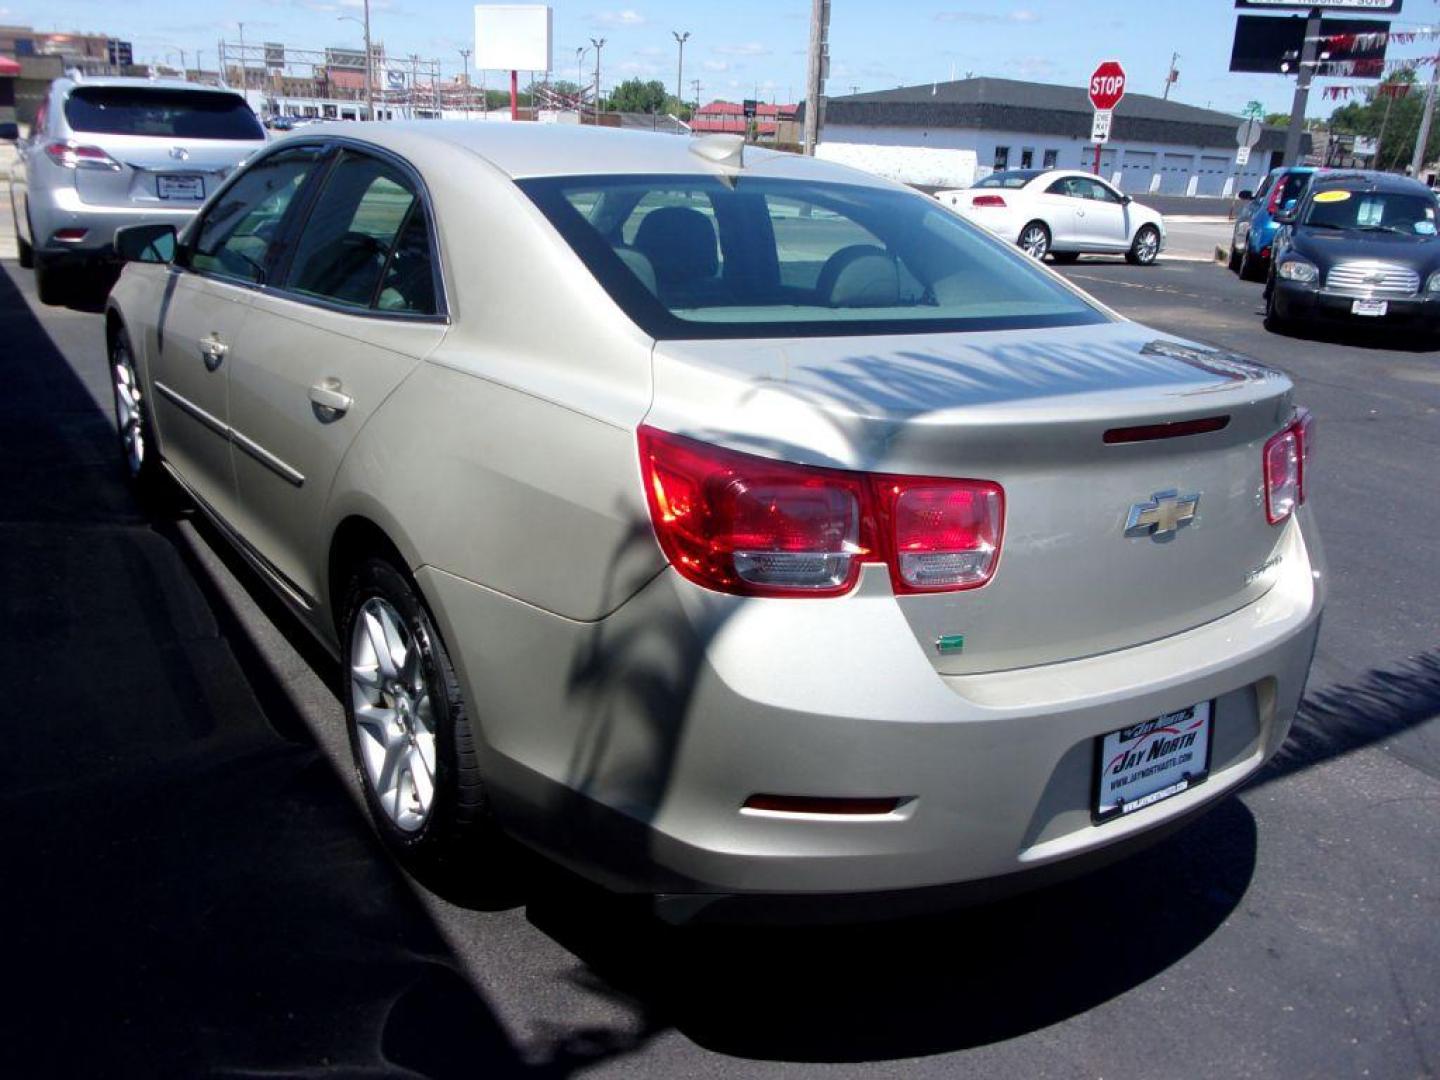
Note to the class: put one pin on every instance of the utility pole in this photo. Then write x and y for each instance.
(680, 40)
(1308, 55)
(244, 70)
(465, 79)
(1170, 77)
(369, 69)
(1422, 137)
(819, 68)
(599, 44)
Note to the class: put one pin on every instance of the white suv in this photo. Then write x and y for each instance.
(108, 152)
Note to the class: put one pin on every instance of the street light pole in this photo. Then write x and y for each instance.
(1422, 137)
(599, 44)
(465, 60)
(680, 40)
(369, 60)
(244, 71)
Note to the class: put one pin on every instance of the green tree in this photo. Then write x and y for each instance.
(632, 95)
(1277, 119)
(1397, 131)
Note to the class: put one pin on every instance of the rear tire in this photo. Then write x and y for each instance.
(26, 253)
(410, 731)
(51, 283)
(1145, 248)
(1035, 240)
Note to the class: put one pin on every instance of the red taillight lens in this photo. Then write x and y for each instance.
(749, 525)
(756, 527)
(946, 533)
(71, 155)
(987, 200)
(1287, 460)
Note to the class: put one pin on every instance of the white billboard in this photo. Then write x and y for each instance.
(513, 37)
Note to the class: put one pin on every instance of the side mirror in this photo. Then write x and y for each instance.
(1245, 195)
(9, 131)
(146, 243)
(1126, 200)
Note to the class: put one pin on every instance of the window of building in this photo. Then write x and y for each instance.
(1002, 158)
(1052, 159)
(1027, 157)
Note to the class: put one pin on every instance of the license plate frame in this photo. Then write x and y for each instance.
(1370, 308)
(187, 186)
(1168, 780)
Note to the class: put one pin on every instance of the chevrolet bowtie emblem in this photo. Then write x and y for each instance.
(1162, 515)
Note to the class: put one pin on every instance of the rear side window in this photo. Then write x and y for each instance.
(1295, 185)
(366, 243)
(165, 114)
(237, 233)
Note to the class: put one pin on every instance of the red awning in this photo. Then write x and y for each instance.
(9, 68)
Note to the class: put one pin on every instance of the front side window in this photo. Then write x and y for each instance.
(702, 257)
(165, 114)
(366, 242)
(237, 234)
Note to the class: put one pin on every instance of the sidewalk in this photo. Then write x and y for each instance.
(8, 250)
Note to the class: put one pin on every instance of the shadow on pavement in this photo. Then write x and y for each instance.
(187, 888)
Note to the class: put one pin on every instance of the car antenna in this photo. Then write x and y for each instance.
(727, 152)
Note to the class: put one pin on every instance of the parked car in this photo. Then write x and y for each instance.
(728, 522)
(1255, 225)
(1061, 213)
(1360, 248)
(107, 152)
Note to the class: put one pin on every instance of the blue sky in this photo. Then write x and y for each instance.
(744, 47)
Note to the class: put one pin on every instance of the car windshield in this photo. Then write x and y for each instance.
(167, 114)
(1015, 179)
(706, 257)
(1407, 213)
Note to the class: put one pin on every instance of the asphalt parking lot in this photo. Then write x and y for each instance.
(191, 888)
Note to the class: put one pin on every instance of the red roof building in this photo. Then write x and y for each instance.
(729, 117)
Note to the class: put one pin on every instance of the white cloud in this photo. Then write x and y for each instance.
(715, 65)
(618, 19)
(749, 48)
(1021, 15)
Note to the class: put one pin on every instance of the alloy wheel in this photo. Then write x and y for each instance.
(1147, 246)
(129, 408)
(1035, 241)
(394, 718)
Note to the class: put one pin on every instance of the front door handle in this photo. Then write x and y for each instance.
(212, 351)
(329, 400)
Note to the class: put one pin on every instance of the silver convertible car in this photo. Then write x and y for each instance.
(719, 521)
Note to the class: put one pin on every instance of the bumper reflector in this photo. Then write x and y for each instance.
(805, 804)
(71, 236)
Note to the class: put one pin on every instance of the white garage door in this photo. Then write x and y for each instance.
(1213, 171)
(1136, 168)
(1175, 173)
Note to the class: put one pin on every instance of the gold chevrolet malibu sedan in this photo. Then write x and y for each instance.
(720, 521)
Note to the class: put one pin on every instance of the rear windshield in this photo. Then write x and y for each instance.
(1372, 211)
(1016, 179)
(701, 257)
(167, 114)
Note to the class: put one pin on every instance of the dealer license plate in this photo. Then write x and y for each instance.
(180, 187)
(1141, 765)
(1370, 307)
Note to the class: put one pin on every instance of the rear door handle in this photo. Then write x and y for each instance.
(212, 351)
(329, 400)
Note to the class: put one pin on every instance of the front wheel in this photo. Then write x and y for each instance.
(410, 731)
(1145, 247)
(25, 254)
(1275, 319)
(1250, 266)
(1035, 239)
(138, 450)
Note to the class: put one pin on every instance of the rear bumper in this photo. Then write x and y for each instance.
(60, 208)
(627, 747)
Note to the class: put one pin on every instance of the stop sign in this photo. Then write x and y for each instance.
(1107, 85)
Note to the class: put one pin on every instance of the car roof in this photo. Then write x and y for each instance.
(139, 84)
(527, 150)
(1369, 180)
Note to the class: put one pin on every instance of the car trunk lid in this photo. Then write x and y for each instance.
(1030, 410)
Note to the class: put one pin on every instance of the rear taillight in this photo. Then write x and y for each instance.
(987, 200)
(1276, 193)
(748, 525)
(1286, 462)
(69, 155)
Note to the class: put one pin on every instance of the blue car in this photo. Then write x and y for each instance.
(1255, 224)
